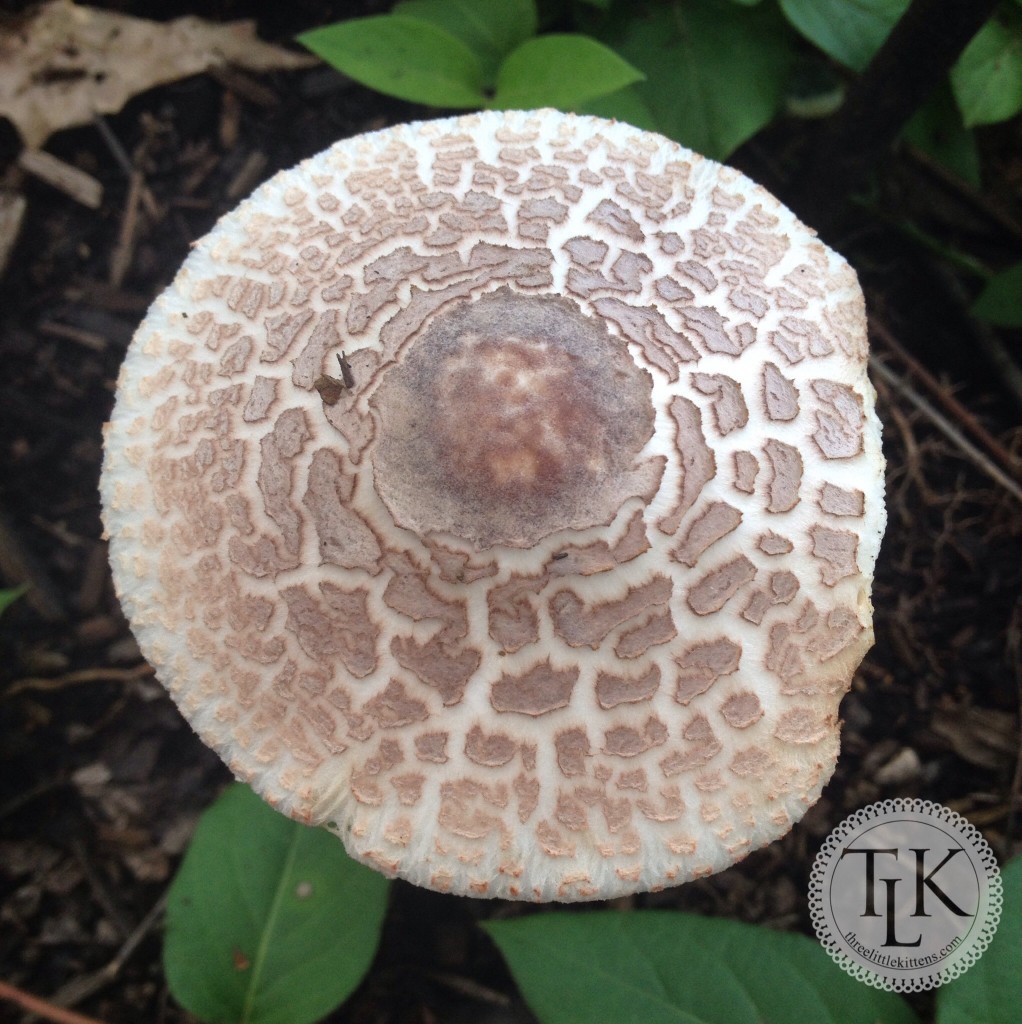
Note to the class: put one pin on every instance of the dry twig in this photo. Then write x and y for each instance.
(979, 202)
(952, 406)
(89, 984)
(44, 1009)
(946, 427)
(85, 675)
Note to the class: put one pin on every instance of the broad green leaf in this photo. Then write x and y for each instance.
(850, 31)
(987, 78)
(9, 596)
(715, 73)
(937, 129)
(661, 967)
(403, 57)
(268, 921)
(1000, 303)
(560, 70)
(491, 29)
(990, 992)
(624, 105)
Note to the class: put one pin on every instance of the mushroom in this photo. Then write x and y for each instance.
(503, 492)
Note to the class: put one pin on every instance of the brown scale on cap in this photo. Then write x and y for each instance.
(505, 491)
(509, 418)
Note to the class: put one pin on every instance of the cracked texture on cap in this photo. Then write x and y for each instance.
(554, 591)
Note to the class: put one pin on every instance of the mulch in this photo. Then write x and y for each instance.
(101, 781)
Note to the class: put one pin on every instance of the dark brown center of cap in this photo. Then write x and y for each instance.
(510, 417)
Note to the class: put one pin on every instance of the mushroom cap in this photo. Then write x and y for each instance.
(503, 492)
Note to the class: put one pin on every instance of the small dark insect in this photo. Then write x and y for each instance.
(331, 388)
(346, 375)
(560, 555)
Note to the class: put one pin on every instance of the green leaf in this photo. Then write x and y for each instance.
(1000, 303)
(937, 129)
(850, 31)
(491, 29)
(268, 921)
(715, 73)
(560, 70)
(990, 992)
(661, 967)
(624, 105)
(403, 57)
(9, 596)
(987, 78)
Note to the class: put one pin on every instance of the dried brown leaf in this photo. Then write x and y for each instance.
(981, 736)
(68, 63)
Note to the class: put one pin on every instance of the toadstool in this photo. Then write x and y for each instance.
(503, 492)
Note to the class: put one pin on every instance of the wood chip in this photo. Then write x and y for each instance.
(903, 768)
(248, 177)
(983, 737)
(81, 187)
(124, 250)
(87, 339)
(12, 212)
(18, 564)
(244, 86)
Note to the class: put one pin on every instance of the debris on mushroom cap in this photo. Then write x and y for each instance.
(504, 492)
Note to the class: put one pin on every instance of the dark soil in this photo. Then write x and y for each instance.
(100, 779)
